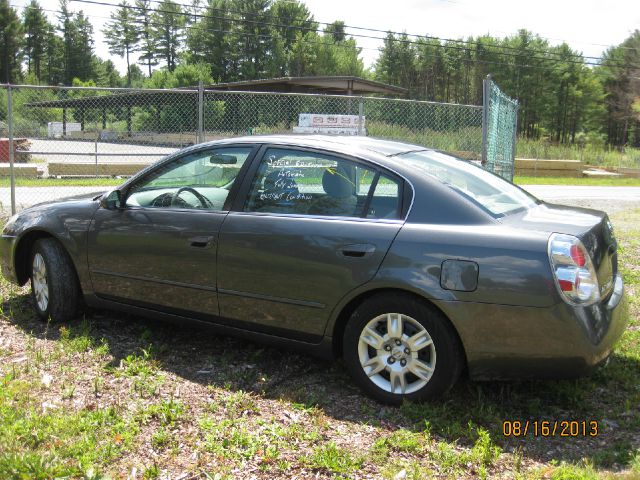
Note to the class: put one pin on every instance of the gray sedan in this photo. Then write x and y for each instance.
(412, 265)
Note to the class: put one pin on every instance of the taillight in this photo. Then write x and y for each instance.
(577, 255)
(572, 269)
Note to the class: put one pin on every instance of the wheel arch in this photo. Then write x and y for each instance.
(346, 312)
(23, 251)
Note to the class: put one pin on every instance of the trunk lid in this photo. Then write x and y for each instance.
(592, 227)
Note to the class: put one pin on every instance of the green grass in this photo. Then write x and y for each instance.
(55, 442)
(600, 155)
(609, 182)
(167, 412)
(334, 459)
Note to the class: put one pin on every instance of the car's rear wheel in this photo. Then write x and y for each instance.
(54, 285)
(399, 347)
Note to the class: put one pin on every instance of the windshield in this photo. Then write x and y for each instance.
(490, 192)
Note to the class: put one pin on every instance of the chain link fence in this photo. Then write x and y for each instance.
(63, 141)
(499, 129)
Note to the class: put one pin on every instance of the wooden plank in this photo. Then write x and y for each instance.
(547, 173)
(629, 172)
(532, 164)
(20, 170)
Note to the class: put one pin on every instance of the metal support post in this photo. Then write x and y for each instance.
(515, 139)
(486, 88)
(360, 116)
(200, 135)
(96, 152)
(12, 173)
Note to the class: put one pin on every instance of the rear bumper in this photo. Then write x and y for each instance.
(560, 341)
(7, 263)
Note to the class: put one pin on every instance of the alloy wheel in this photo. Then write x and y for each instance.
(397, 353)
(40, 285)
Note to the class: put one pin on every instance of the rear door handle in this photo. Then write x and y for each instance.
(201, 242)
(357, 250)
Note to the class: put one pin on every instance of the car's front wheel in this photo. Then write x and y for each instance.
(397, 346)
(54, 285)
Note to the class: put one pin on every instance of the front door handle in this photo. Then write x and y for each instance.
(201, 242)
(357, 250)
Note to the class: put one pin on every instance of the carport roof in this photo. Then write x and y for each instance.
(328, 84)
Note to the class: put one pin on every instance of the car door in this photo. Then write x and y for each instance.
(306, 229)
(159, 249)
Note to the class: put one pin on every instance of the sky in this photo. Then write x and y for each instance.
(588, 26)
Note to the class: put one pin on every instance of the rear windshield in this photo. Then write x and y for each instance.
(488, 191)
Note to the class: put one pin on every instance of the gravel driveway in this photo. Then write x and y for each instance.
(609, 199)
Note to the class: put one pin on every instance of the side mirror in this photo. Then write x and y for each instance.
(112, 200)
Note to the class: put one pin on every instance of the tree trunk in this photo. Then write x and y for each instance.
(128, 67)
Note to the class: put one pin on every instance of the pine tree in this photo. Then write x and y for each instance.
(36, 28)
(82, 54)
(168, 23)
(621, 67)
(10, 43)
(54, 57)
(291, 17)
(336, 30)
(251, 33)
(147, 45)
(67, 29)
(122, 34)
(209, 40)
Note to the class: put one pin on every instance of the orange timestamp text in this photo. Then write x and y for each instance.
(550, 428)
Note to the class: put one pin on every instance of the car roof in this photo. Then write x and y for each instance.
(343, 144)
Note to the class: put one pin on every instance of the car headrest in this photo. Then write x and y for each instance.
(336, 183)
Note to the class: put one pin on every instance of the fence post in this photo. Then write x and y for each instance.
(515, 139)
(360, 114)
(486, 85)
(12, 175)
(96, 152)
(200, 112)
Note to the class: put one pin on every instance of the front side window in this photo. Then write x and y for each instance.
(309, 183)
(200, 180)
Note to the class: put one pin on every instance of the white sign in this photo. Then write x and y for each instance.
(54, 129)
(329, 124)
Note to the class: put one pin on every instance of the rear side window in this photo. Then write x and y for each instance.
(488, 191)
(385, 201)
(309, 183)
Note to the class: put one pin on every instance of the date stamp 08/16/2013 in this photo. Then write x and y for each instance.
(550, 428)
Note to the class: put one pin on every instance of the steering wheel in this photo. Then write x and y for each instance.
(176, 201)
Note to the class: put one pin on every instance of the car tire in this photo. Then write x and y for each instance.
(398, 347)
(54, 284)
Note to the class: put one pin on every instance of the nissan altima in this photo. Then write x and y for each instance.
(412, 265)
